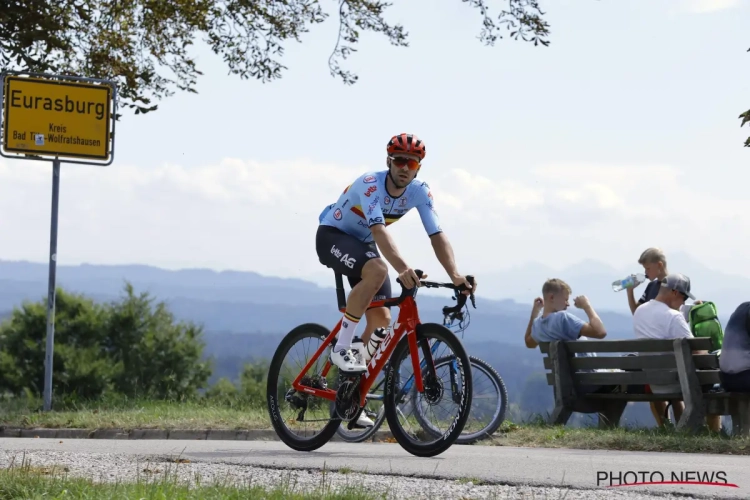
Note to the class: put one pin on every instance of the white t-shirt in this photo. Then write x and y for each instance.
(656, 320)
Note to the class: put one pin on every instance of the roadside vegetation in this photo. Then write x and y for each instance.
(128, 364)
(28, 481)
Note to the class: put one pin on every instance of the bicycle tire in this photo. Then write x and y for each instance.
(401, 352)
(292, 441)
(367, 433)
(497, 420)
(489, 430)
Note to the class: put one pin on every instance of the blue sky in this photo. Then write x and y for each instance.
(622, 134)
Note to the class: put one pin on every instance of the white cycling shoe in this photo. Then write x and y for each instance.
(350, 360)
(364, 421)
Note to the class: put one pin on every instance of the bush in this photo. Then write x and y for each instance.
(133, 347)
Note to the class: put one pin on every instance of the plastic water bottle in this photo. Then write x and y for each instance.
(375, 340)
(631, 281)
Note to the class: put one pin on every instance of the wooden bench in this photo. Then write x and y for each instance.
(676, 364)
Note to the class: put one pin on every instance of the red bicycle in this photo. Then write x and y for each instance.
(303, 390)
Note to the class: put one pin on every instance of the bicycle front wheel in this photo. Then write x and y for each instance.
(447, 393)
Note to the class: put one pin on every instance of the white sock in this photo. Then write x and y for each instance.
(346, 333)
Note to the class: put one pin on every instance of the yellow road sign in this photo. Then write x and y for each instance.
(59, 118)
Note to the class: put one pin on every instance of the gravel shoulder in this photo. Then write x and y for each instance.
(110, 467)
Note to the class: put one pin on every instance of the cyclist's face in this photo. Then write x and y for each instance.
(404, 168)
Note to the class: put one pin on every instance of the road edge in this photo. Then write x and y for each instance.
(185, 434)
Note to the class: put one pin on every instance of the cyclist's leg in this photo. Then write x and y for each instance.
(377, 317)
(353, 258)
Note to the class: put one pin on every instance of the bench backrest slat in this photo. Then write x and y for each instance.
(636, 378)
(652, 361)
(625, 346)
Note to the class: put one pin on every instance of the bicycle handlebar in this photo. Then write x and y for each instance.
(406, 292)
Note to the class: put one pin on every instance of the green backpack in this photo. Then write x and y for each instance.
(704, 322)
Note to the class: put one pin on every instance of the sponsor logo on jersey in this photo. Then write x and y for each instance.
(337, 214)
(402, 202)
(370, 190)
(387, 200)
(373, 205)
(369, 179)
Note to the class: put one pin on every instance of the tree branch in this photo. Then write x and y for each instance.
(144, 45)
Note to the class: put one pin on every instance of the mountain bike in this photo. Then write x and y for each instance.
(309, 391)
(484, 375)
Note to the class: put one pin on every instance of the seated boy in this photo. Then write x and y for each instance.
(556, 323)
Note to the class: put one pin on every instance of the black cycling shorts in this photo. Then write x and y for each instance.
(347, 255)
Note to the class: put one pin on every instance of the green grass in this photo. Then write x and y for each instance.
(240, 415)
(667, 439)
(33, 482)
(129, 414)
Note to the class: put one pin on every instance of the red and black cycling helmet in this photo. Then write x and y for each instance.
(406, 143)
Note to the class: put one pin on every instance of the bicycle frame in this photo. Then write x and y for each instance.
(449, 321)
(406, 324)
(454, 364)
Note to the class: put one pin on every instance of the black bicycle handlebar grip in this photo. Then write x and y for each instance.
(471, 281)
(418, 272)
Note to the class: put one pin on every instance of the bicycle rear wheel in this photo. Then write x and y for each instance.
(488, 402)
(450, 399)
(293, 411)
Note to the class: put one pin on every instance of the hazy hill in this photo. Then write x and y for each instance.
(248, 302)
(245, 314)
(594, 279)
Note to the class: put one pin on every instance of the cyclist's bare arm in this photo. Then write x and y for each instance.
(387, 247)
(444, 253)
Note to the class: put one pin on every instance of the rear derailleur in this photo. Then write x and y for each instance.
(298, 400)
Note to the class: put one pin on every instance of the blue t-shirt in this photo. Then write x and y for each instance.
(560, 325)
(367, 202)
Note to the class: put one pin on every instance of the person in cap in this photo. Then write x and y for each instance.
(661, 318)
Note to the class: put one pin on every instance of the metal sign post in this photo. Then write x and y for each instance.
(45, 117)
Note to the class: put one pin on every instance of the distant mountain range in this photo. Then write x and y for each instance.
(245, 314)
(247, 302)
(240, 301)
(594, 279)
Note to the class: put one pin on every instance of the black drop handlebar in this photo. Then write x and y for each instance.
(461, 297)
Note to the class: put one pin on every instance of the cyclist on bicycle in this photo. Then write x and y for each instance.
(353, 229)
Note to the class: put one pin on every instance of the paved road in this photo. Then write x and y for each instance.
(502, 465)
